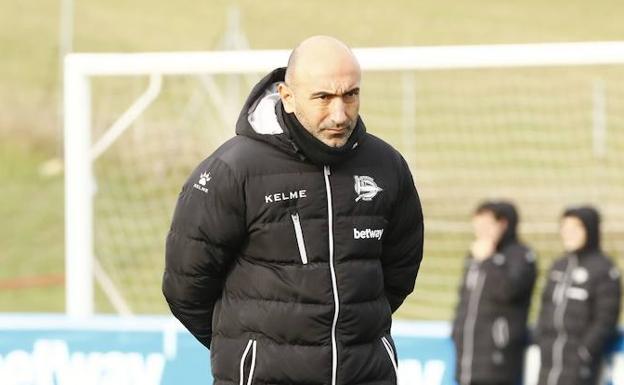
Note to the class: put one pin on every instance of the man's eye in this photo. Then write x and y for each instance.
(350, 96)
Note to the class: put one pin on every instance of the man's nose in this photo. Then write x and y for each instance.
(338, 112)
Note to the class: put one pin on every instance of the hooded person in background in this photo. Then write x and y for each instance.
(489, 329)
(580, 304)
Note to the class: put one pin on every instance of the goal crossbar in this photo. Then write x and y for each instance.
(371, 59)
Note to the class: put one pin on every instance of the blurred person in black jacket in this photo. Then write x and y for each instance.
(580, 304)
(489, 329)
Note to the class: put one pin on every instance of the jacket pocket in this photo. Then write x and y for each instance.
(388, 346)
(248, 354)
(299, 234)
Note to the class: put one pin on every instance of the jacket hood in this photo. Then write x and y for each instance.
(506, 211)
(263, 118)
(590, 218)
(258, 118)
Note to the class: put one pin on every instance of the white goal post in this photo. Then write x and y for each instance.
(81, 150)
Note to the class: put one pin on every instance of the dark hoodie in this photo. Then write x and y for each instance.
(287, 258)
(489, 329)
(583, 290)
(590, 218)
(295, 138)
(507, 211)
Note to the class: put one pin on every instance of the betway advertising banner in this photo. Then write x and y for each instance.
(54, 350)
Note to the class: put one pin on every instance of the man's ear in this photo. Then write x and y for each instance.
(288, 99)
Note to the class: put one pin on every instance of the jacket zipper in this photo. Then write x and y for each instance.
(250, 345)
(330, 218)
(388, 346)
(299, 235)
(560, 298)
(469, 324)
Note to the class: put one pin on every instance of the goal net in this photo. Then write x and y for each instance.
(541, 125)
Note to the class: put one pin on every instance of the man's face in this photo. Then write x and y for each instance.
(326, 103)
(573, 234)
(486, 226)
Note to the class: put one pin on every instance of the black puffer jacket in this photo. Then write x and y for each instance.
(489, 329)
(289, 271)
(580, 309)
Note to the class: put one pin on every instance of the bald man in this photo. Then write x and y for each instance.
(295, 241)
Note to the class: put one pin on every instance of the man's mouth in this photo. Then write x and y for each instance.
(337, 130)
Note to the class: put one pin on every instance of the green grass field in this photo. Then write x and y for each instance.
(519, 134)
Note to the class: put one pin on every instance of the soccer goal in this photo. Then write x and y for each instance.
(540, 124)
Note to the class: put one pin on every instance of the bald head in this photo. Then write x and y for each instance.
(320, 55)
(322, 88)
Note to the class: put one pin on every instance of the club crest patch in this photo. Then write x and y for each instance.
(365, 188)
(580, 275)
